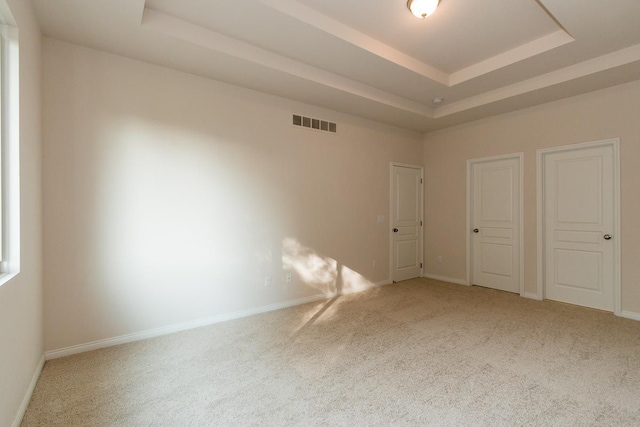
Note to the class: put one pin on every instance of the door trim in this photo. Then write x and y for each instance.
(421, 202)
(470, 163)
(541, 153)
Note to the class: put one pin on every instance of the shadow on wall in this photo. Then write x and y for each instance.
(320, 272)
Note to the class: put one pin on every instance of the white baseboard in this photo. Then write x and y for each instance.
(367, 287)
(370, 285)
(630, 315)
(165, 330)
(445, 279)
(27, 397)
(383, 283)
(531, 295)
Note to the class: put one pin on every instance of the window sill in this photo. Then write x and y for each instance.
(5, 277)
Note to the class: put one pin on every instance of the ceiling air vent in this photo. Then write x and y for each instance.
(314, 124)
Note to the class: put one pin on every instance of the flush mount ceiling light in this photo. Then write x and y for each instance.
(422, 8)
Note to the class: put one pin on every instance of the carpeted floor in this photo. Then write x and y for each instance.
(420, 352)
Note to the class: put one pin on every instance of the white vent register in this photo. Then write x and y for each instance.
(314, 124)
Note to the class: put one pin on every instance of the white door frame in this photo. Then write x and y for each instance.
(470, 163)
(391, 218)
(541, 153)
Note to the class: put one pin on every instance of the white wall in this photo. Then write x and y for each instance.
(609, 113)
(169, 197)
(21, 337)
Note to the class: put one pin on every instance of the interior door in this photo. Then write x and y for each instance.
(495, 219)
(406, 222)
(578, 226)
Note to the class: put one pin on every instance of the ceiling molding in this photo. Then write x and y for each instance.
(596, 65)
(520, 53)
(203, 37)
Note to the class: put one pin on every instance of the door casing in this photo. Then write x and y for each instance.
(615, 143)
(391, 218)
(470, 163)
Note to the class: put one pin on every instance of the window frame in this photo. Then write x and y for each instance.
(9, 151)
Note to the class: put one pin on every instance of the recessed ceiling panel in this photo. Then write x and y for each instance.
(459, 34)
(260, 25)
(373, 58)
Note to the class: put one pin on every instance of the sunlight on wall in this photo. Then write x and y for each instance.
(180, 225)
(320, 272)
(177, 224)
(352, 281)
(314, 270)
(162, 210)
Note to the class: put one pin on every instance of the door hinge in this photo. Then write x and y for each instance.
(420, 180)
(420, 223)
(420, 265)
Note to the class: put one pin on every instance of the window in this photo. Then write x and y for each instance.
(9, 152)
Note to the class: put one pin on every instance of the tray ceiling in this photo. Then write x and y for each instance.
(373, 58)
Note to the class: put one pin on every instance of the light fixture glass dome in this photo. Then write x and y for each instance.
(422, 8)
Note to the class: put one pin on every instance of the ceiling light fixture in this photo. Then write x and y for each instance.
(422, 8)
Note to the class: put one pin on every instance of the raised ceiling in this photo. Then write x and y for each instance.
(373, 58)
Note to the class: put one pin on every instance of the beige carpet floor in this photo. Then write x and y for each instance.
(417, 353)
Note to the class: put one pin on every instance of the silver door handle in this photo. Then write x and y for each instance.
(608, 237)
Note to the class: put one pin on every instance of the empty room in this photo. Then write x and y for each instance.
(319, 212)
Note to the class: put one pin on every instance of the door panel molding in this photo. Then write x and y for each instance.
(470, 164)
(401, 229)
(540, 216)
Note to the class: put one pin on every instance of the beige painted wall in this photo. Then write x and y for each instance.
(610, 113)
(21, 298)
(169, 197)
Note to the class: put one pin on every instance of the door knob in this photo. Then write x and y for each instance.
(608, 237)
(475, 230)
(395, 230)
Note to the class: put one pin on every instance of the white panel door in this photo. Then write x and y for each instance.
(578, 226)
(406, 221)
(495, 219)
